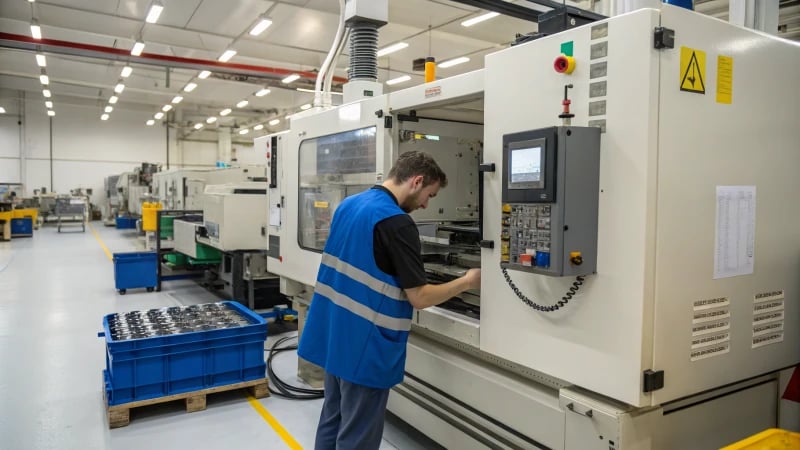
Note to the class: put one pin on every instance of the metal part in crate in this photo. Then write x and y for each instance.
(195, 348)
(71, 210)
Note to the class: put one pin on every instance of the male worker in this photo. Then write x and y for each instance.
(371, 279)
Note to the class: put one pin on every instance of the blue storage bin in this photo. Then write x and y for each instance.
(22, 227)
(126, 223)
(135, 270)
(141, 369)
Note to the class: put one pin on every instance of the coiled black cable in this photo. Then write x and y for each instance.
(282, 388)
(576, 285)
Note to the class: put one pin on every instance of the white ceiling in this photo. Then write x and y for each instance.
(298, 40)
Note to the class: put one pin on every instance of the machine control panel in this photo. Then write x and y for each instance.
(551, 183)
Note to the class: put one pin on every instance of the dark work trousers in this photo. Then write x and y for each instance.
(352, 416)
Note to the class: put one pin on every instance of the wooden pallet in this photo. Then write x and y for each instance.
(120, 415)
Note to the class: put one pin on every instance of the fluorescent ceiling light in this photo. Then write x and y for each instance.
(46, 93)
(119, 88)
(245, 131)
(41, 61)
(242, 104)
(109, 109)
(36, 30)
(113, 99)
(166, 108)
(190, 87)
(150, 122)
(104, 117)
(177, 99)
(48, 104)
(258, 127)
(2, 110)
(306, 106)
(398, 80)
(479, 19)
(274, 121)
(314, 92)
(227, 55)
(211, 119)
(225, 112)
(126, 72)
(262, 92)
(155, 11)
(44, 79)
(203, 75)
(290, 78)
(197, 126)
(137, 48)
(262, 25)
(453, 62)
(51, 113)
(392, 48)
(159, 115)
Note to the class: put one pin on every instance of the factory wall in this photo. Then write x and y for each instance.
(85, 149)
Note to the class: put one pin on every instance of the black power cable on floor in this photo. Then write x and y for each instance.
(282, 388)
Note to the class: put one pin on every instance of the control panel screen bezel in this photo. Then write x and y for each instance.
(543, 191)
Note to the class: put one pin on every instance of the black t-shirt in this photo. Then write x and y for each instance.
(397, 249)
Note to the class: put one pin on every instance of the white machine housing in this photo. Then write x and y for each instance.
(182, 189)
(234, 216)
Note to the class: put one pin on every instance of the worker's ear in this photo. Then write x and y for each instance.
(417, 182)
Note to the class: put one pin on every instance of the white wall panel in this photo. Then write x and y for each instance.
(9, 170)
(249, 155)
(9, 136)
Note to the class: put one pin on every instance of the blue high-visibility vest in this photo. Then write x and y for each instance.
(358, 323)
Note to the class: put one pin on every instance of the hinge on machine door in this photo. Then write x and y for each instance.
(653, 380)
(663, 38)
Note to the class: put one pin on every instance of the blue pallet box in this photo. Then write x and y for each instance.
(22, 227)
(125, 222)
(160, 366)
(135, 270)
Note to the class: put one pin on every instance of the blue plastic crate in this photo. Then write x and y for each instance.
(141, 369)
(126, 223)
(135, 270)
(21, 227)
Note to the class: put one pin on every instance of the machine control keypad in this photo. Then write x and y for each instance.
(525, 234)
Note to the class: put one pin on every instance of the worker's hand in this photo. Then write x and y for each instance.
(473, 277)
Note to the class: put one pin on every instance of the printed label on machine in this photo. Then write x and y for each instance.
(770, 317)
(708, 316)
(711, 303)
(767, 328)
(760, 308)
(706, 328)
(709, 352)
(734, 249)
(710, 340)
(767, 296)
(761, 341)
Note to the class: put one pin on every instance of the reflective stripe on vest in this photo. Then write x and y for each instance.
(361, 310)
(364, 278)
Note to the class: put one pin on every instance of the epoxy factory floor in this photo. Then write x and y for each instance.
(55, 289)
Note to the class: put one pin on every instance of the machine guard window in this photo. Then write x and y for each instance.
(331, 168)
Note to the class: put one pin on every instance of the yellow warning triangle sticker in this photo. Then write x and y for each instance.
(693, 70)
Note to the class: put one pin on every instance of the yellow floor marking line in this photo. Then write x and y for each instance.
(102, 244)
(274, 423)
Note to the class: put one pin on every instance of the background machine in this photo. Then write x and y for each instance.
(632, 220)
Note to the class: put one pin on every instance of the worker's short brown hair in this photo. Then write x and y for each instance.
(411, 164)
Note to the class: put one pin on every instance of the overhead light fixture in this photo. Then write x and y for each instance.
(211, 119)
(41, 61)
(44, 79)
(46, 93)
(51, 113)
(150, 122)
(155, 11)
(274, 121)
(2, 110)
(227, 55)
(306, 106)
(225, 112)
(177, 99)
(113, 99)
(203, 75)
(104, 117)
(36, 30)
(242, 104)
(108, 109)
(262, 92)
(479, 19)
(48, 104)
(290, 78)
(189, 87)
(392, 48)
(159, 115)
(166, 108)
(137, 48)
(258, 127)
(262, 25)
(398, 80)
(453, 62)
(126, 72)
(197, 126)
(119, 88)
(245, 131)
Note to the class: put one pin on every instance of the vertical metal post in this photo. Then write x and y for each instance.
(167, 128)
(51, 155)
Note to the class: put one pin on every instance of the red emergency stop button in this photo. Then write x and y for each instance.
(564, 64)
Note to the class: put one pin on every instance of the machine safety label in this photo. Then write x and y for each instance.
(707, 328)
(319, 204)
(704, 341)
(708, 316)
(767, 328)
(708, 352)
(724, 79)
(761, 308)
(761, 341)
(767, 296)
(769, 317)
(711, 303)
(693, 70)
